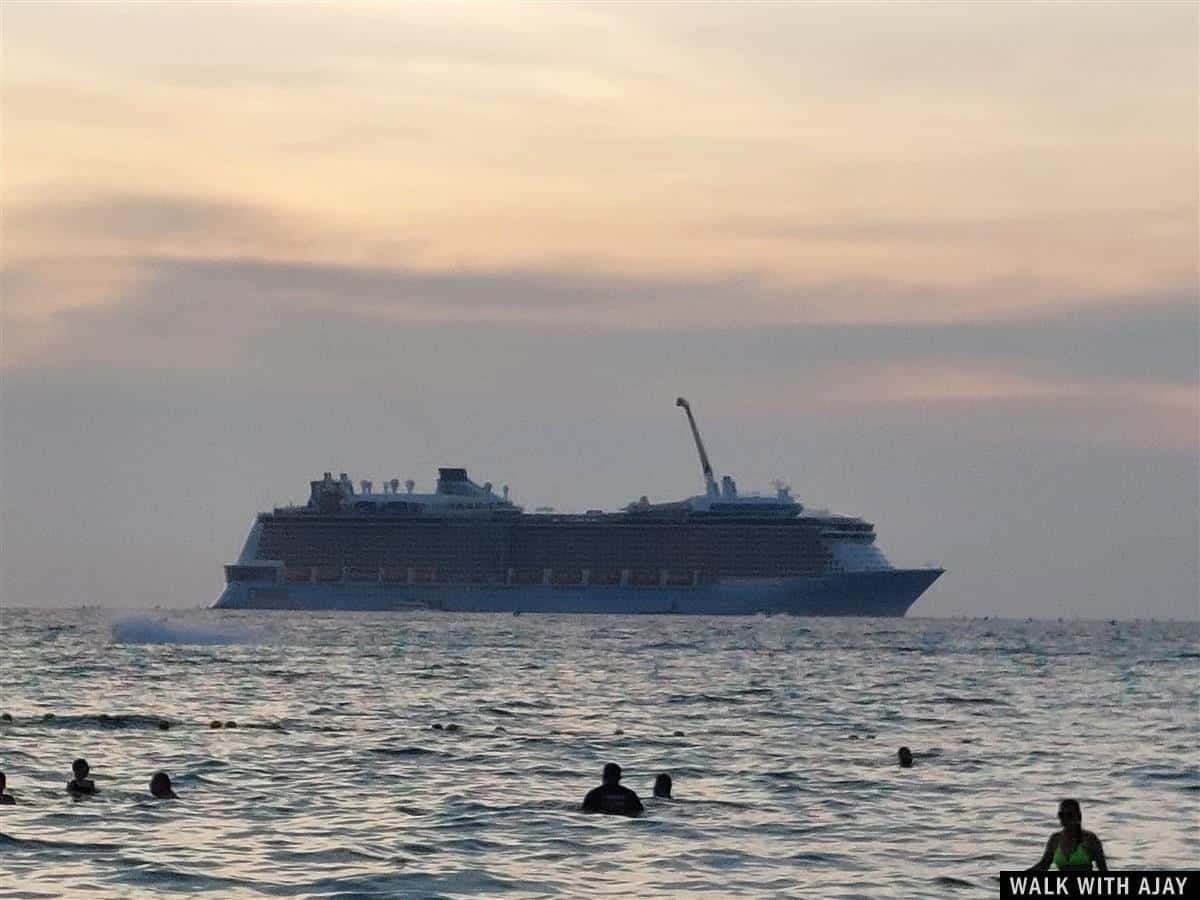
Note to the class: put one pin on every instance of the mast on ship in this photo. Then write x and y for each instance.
(710, 483)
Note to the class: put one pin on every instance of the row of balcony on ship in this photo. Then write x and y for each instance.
(278, 574)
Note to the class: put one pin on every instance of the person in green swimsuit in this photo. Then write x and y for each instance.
(1072, 849)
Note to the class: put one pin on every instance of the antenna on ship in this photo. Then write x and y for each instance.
(710, 484)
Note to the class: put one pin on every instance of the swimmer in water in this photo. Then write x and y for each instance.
(906, 757)
(1072, 849)
(662, 786)
(5, 799)
(611, 797)
(160, 786)
(81, 785)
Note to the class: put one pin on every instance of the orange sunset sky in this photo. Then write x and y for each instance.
(932, 262)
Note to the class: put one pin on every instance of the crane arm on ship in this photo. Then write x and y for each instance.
(710, 484)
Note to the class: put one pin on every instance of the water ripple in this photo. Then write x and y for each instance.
(437, 755)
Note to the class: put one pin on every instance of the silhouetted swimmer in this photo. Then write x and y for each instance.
(164, 726)
(5, 799)
(160, 786)
(231, 724)
(6, 717)
(662, 786)
(1072, 849)
(611, 797)
(906, 757)
(81, 785)
(215, 723)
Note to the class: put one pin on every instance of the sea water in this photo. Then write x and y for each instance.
(780, 734)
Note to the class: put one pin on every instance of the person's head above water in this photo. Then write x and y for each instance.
(160, 786)
(612, 797)
(81, 784)
(906, 757)
(1072, 849)
(662, 785)
(1070, 815)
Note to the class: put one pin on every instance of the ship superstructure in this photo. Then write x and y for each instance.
(466, 547)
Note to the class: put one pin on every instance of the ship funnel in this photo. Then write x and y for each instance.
(409, 485)
(395, 483)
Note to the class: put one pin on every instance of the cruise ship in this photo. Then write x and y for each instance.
(466, 547)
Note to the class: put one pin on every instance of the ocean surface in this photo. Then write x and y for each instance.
(780, 735)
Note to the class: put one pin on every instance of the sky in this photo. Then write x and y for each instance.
(935, 264)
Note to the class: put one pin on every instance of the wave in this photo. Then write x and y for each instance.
(970, 701)
(403, 751)
(103, 720)
(785, 778)
(1150, 774)
(951, 882)
(671, 645)
(147, 630)
(10, 843)
(155, 875)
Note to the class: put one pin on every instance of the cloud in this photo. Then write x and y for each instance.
(1180, 219)
(811, 146)
(407, 269)
(1132, 360)
(137, 219)
(1144, 414)
(279, 252)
